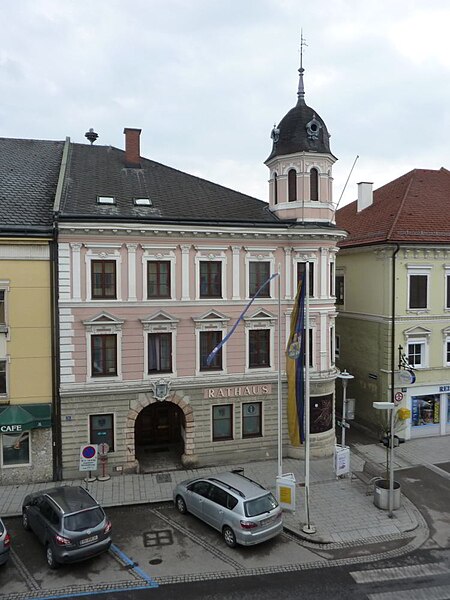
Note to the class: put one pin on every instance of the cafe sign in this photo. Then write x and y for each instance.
(10, 428)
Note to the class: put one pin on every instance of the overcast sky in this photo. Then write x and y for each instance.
(207, 79)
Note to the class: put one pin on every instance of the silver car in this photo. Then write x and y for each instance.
(242, 510)
(5, 543)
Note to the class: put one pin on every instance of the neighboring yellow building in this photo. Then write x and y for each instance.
(393, 298)
(28, 179)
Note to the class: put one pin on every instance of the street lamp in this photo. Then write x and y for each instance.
(389, 406)
(345, 377)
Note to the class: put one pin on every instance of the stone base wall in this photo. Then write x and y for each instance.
(41, 468)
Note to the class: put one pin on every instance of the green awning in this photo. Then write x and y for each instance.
(21, 417)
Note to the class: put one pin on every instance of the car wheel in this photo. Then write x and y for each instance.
(181, 505)
(25, 522)
(51, 561)
(229, 537)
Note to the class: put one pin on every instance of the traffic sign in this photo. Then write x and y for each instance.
(88, 457)
(103, 449)
(398, 398)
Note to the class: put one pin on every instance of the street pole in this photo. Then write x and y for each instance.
(391, 463)
(345, 377)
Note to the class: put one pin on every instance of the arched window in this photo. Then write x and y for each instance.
(275, 188)
(314, 184)
(292, 185)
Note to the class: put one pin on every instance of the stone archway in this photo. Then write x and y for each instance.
(171, 407)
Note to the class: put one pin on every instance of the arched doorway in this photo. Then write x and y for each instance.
(159, 432)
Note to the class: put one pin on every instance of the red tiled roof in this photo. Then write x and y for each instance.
(415, 208)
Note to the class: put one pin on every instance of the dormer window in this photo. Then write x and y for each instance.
(106, 200)
(292, 185)
(142, 202)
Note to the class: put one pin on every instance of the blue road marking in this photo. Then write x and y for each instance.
(138, 570)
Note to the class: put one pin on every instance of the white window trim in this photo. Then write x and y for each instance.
(4, 287)
(160, 323)
(265, 321)
(255, 255)
(98, 413)
(319, 177)
(103, 252)
(424, 270)
(446, 342)
(213, 254)
(17, 465)
(446, 287)
(423, 341)
(7, 360)
(112, 326)
(212, 321)
(154, 254)
(302, 256)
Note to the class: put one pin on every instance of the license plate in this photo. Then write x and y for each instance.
(89, 540)
(268, 521)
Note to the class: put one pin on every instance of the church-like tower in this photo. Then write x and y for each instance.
(301, 164)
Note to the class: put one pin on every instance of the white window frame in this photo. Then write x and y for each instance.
(4, 287)
(424, 352)
(303, 255)
(160, 322)
(212, 254)
(261, 319)
(446, 287)
(154, 254)
(446, 338)
(255, 255)
(17, 465)
(421, 270)
(109, 252)
(6, 360)
(211, 321)
(103, 324)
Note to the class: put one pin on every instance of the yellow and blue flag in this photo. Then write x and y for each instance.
(295, 360)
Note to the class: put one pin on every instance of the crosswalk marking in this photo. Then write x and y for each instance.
(393, 573)
(441, 592)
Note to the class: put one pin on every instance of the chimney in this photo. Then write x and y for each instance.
(132, 148)
(365, 195)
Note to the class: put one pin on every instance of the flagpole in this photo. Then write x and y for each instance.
(280, 408)
(307, 528)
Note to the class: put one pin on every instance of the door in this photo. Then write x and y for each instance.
(159, 424)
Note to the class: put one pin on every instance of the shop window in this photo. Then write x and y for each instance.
(101, 430)
(259, 272)
(210, 279)
(259, 348)
(418, 291)
(104, 355)
(425, 410)
(208, 341)
(252, 420)
(339, 289)
(222, 422)
(159, 352)
(314, 183)
(292, 185)
(301, 268)
(3, 387)
(158, 279)
(103, 279)
(15, 449)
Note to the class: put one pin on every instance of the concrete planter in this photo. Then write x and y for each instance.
(381, 494)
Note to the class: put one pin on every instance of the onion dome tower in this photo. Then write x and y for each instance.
(300, 164)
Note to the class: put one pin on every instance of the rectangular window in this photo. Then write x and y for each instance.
(15, 449)
(3, 389)
(332, 350)
(208, 341)
(339, 290)
(447, 351)
(103, 277)
(2, 308)
(418, 285)
(301, 268)
(259, 272)
(447, 305)
(252, 420)
(158, 279)
(222, 422)
(104, 355)
(416, 354)
(425, 410)
(101, 430)
(332, 280)
(259, 348)
(210, 279)
(159, 352)
(337, 346)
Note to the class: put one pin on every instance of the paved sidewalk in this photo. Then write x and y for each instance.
(340, 509)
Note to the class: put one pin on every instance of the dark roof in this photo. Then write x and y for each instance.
(293, 136)
(100, 171)
(29, 171)
(415, 208)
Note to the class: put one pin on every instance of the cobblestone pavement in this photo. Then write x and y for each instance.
(341, 509)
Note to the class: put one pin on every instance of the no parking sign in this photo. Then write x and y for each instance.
(88, 457)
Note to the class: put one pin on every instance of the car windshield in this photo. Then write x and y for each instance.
(259, 506)
(86, 519)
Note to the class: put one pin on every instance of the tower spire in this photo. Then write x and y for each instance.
(301, 87)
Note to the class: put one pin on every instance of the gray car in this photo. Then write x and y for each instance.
(242, 510)
(69, 522)
(5, 543)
